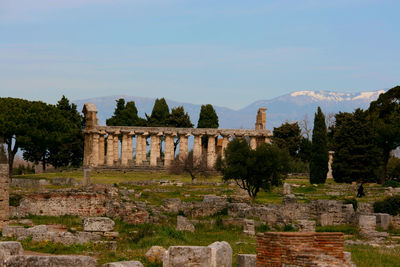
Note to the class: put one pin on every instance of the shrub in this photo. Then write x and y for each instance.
(390, 205)
(15, 199)
(352, 201)
(391, 183)
(263, 228)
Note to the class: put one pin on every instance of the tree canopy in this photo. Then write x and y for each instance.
(253, 170)
(179, 118)
(288, 136)
(319, 151)
(159, 114)
(208, 117)
(356, 155)
(125, 115)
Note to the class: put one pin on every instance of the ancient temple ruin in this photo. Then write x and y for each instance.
(113, 146)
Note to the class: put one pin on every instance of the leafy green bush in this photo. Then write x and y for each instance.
(263, 228)
(15, 199)
(393, 167)
(390, 205)
(352, 201)
(391, 183)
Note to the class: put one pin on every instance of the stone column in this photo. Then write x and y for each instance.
(124, 149)
(211, 155)
(4, 191)
(116, 147)
(183, 147)
(155, 149)
(87, 148)
(144, 146)
(197, 149)
(253, 142)
(110, 149)
(225, 142)
(94, 159)
(169, 149)
(130, 148)
(101, 148)
(139, 147)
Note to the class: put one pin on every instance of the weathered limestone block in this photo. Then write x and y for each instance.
(179, 256)
(306, 225)
(49, 261)
(98, 224)
(184, 225)
(325, 219)
(13, 231)
(248, 227)
(246, 260)
(172, 204)
(8, 249)
(367, 222)
(221, 254)
(155, 254)
(383, 220)
(286, 189)
(123, 264)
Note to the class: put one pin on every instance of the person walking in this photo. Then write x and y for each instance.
(360, 189)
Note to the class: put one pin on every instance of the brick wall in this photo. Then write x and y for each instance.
(299, 248)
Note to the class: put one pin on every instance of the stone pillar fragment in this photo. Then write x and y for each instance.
(139, 148)
(183, 147)
(144, 146)
(169, 150)
(101, 148)
(154, 149)
(4, 191)
(197, 149)
(124, 149)
(211, 155)
(94, 159)
(116, 147)
(110, 150)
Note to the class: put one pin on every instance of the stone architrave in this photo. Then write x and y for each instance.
(183, 147)
(211, 155)
(124, 149)
(154, 149)
(101, 148)
(197, 149)
(110, 149)
(253, 142)
(225, 142)
(116, 147)
(169, 149)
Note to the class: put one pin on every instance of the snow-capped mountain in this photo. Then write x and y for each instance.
(288, 107)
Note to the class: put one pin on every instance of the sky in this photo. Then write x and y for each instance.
(223, 52)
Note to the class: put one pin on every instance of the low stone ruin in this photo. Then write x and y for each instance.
(183, 224)
(367, 224)
(246, 260)
(12, 255)
(94, 229)
(218, 254)
(123, 264)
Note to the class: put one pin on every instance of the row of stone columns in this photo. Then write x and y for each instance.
(100, 146)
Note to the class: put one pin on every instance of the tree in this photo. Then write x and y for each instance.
(70, 151)
(253, 170)
(385, 116)
(189, 166)
(208, 119)
(159, 114)
(319, 151)
(305, 150)
(179, 119)
(48, 130)
(288, 136)
(125, 115)
(356, 155)
(14, 125)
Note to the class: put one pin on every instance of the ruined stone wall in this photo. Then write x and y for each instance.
(4, 194)
(300, 249)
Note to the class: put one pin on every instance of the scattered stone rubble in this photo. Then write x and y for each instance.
(246, 260)
(184, 225)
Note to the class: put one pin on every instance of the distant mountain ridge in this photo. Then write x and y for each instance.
(289, 107)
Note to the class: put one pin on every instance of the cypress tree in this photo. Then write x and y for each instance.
(159, 114)
(319, 150)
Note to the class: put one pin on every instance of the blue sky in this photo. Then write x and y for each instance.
(227, 53)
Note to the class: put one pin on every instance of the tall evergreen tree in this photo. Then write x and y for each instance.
(208, 119)
(319, 151)
(356, 155)
(159, 114)
(125, 115)
(179, 118)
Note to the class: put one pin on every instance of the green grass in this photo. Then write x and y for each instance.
(69, 221)
(367, 256)
(344, 228)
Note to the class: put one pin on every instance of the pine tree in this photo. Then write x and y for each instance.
(288, 136)
(208, 119)
(319, 151)
(159, 114)
(125, 115)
